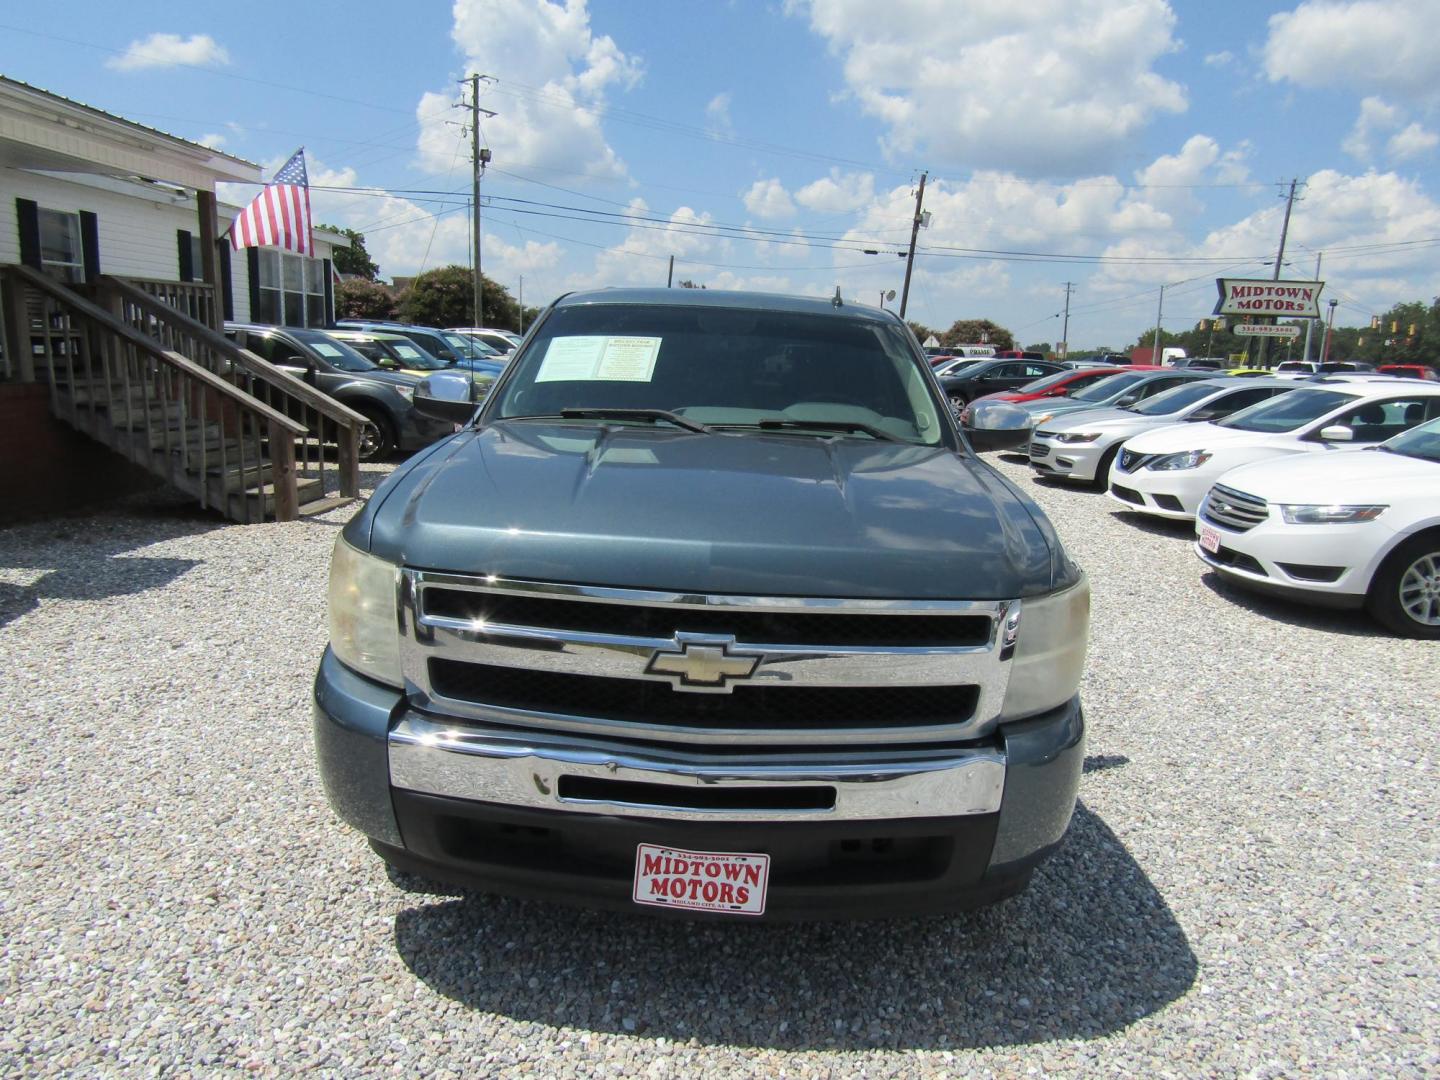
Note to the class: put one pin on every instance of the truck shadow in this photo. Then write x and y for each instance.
(1089, 949)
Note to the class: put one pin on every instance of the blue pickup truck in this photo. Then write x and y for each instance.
(710, 610)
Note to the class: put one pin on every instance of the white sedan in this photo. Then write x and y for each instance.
(1083, 445)
(1360, 527)
(1167, 472)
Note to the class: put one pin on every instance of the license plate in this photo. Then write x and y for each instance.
(1209, 539)
(729, 882)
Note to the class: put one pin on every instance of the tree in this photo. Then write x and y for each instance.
(1042, 347)
(975, 331)
(361, 299)
(446, 297)
(688, 284)
(920, 330)
(354, 259)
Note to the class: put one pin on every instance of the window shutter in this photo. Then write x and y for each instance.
(227, 288)
(252, 261)
(90, 244)
(187, 257)
(27, 214)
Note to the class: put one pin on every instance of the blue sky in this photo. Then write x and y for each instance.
(1118, 145)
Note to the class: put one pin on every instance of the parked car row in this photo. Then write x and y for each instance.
(374, 369)
(1326, 491)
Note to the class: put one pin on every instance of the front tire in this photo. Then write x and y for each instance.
(377, 437)
(1405, 595)
(1101, 479)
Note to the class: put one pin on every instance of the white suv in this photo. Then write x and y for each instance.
(1168, 472)
(1360, 527)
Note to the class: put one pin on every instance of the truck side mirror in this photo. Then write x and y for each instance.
(998, 427)
(447, 396)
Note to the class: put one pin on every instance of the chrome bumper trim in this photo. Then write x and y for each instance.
(467, 762)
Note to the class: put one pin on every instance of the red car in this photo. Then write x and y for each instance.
(1060, 385)
(1409, 371)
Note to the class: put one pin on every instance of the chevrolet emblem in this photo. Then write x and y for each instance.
(704, 664)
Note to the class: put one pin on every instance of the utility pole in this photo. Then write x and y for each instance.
(1156, 355)
(670, 278)
(1310, 323)
(1065, 333)
(914, 232)
(522, 303)
(479, 158)
(1279, 259)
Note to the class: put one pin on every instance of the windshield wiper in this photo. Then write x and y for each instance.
(827, 425)
(634, 414)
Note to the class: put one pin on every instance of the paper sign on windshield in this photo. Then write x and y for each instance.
(599, 358)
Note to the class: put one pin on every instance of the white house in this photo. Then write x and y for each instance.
(85, 193)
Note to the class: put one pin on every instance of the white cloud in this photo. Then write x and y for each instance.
(717, 114)
(1170, 179)
(1377, 118)
(1220, 59)
(769, 200)
(1413, 141)
(1016, 85)
(1360, 44)
(837, 193)
(213, 140)
(170, 50)
(642, 257)
(551, 77)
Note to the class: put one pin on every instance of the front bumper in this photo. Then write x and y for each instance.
(1070, 461)
(560, 818)
(1331, 565)
(1174, 494)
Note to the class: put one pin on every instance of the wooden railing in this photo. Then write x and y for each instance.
(329, 422)
(165, 412)
(193, 298)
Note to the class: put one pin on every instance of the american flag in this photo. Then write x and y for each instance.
(280, 215)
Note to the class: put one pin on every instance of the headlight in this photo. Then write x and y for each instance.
(1191, 459)
(364, 630)
(407, 392)
(1049, 651)
(1303, 514)
(1077, 437)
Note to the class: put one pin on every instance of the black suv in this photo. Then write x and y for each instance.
(334, 368)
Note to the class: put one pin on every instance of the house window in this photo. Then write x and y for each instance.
(61, 253)
(292, 289)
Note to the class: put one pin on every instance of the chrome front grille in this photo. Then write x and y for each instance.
(683, 668)
(1039, 450)
(1234, 509)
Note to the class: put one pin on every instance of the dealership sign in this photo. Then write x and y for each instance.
(1266, 330)
(1251, 297)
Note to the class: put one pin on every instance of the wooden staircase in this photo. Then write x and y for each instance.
(178, 399)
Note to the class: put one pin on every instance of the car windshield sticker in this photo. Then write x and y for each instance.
(326, 350)
(409, 352)
(597, 358)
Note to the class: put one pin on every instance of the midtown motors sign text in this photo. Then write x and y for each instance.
(1250, 297)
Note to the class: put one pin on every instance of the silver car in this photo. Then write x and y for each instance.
(1082, 445)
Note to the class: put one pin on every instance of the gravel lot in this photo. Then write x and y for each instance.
(1250, 883)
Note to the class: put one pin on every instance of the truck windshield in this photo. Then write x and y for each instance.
(1286, 412)
(727, 368)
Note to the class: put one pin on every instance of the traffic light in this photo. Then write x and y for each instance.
(1412, 330)
(1374, 322)
(1394, 326)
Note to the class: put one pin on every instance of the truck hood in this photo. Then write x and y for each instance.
(745, 513)
(1347, 476)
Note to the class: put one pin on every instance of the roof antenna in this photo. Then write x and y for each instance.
(837, 301)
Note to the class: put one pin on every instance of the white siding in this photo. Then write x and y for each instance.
(136, 227)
